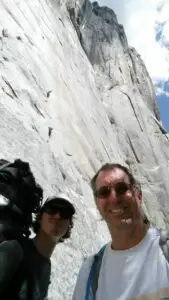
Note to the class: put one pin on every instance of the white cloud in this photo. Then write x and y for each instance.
(160, 91)
(146, 24)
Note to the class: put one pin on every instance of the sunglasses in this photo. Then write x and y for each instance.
(105, 191)
(64, 212)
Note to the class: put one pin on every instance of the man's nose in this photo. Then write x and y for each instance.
(113, 197)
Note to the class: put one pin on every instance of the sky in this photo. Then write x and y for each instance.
(146, 23)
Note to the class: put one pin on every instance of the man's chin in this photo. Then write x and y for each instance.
(54, 238)
(120, 223)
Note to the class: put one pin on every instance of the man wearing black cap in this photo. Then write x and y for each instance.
(54, 223)
(52, 226)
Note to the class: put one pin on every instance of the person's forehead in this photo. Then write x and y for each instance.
(110, 177)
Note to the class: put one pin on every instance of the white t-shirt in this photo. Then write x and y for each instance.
(139, 273)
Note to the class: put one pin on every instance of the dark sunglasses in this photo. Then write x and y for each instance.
(120, 188)
(64, 212)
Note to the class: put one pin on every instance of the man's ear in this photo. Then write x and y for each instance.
(139, 196)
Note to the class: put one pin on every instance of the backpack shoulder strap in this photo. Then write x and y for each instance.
(11, 256)
(6, 164)
(93, 277)
(164, 242)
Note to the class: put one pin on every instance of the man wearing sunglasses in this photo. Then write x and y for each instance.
(52, 226)
(132, 265)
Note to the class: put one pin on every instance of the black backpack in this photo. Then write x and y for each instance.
(18, 185)
(92, 282)
(20, 197)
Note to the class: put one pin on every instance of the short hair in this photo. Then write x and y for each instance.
(110, 167)
(36, 227)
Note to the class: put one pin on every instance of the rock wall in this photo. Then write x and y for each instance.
(74, 95)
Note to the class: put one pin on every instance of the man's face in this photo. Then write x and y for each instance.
(53, 224)
(118, 202)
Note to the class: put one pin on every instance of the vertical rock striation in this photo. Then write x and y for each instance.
(74, 95)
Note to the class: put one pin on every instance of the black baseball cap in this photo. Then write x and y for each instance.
(61, 203)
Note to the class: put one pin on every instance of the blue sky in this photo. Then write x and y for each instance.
(146, 24)
(163, 103)
(163, 96)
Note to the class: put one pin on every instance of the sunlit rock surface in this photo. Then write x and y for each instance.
(74, 95)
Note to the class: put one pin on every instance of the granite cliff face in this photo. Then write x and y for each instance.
(74, 95)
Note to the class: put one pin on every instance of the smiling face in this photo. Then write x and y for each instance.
(53, 224)
(118, 202)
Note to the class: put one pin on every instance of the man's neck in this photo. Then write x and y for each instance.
(126, 239)
(44, 244)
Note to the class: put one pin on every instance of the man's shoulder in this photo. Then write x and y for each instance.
(88, 261)
(83, 276)
(29, 248)
(86, 264)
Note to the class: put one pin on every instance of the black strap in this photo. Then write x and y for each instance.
(6, 164)
(96, 269)
(11, 256)
(94, 274)
(26, 275)
(164, 243)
